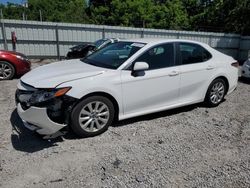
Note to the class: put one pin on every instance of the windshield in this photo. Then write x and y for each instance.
(113, 55)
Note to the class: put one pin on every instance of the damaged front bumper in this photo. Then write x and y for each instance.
(37, 119)
(49, 118)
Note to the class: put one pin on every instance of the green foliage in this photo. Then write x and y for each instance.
(238, 19)
(225, 16)
(58, 10)
(11, 11)
(208, 15)
(142, 13)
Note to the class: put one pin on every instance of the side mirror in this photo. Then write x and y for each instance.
(140, 66)
(138, 69)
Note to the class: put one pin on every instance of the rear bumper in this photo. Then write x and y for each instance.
(37, 119)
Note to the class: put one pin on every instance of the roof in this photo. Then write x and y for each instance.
(160, 40)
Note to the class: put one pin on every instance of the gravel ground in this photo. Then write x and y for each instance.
(192, 146)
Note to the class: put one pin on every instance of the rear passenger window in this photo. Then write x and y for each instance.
(160, 56)
(193, 53)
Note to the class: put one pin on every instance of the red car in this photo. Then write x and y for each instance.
(12, 64)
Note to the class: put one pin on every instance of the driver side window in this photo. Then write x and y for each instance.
(160, 56)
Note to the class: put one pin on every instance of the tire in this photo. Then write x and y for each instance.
(216, 92)
(7, 70)
(86, 122)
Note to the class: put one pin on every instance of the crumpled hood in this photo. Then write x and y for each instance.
(51, 75)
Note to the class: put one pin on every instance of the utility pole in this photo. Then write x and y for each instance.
(41, 15)
(23, 16)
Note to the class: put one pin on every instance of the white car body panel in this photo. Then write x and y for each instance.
(51, 75)
(109, 83)
(39, 117)
(193, 82)
(155, 91)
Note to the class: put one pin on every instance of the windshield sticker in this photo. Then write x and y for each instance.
(140, 45)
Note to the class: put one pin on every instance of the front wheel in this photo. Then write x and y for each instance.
(7, 71)
(216, 92)
(92, 116)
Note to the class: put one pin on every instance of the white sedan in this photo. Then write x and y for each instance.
(246, 69)
(123, 80)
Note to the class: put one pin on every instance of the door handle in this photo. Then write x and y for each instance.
(210, 67)
(173, 73)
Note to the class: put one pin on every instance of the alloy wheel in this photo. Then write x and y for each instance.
(94, 116)
(5, 71)
(217, 92)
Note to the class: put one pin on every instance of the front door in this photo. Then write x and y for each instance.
(155, 88)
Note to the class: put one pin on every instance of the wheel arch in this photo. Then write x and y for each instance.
(217, 77)
(226, 81)
(107, 95)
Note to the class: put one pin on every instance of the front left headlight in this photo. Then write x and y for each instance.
(44, 96)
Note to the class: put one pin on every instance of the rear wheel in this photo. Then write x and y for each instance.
(216, 92)
(92, 116)
(7, 71)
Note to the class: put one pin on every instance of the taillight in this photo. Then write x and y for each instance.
(235, 64)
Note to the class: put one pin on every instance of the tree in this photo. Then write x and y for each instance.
(141, 13)
(225, 16)
(238, 19)
(207, 15)
(12, 11)
(58, 10)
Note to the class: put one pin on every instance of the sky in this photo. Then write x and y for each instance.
(11, 1)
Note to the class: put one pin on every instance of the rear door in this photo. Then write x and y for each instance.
(196, 68)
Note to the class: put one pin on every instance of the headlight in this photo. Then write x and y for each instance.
(43, 96)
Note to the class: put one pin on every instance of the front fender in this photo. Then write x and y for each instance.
(86, 86)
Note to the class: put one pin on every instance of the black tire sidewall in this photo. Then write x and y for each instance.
(207, 99)
(12, 70)
(74, 123)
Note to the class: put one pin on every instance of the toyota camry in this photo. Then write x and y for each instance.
(123, 80)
